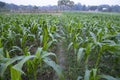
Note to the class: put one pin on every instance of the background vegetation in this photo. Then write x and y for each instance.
(62, 5)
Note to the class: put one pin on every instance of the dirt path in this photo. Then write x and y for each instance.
(61, 58)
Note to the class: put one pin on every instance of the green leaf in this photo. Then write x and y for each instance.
(38, 52)
(5, 65)
(50, 43)
(19, 65)
(79, 78)
(87, 74)
(94, 73)
(80, 54)
(16, 48)
(94, 37)
(108, 77)
(56, 67)
(15, 75)
(45, 37)
(48, 54)
(88, 50)
(0, 43)
(1, 53)
(70, 45)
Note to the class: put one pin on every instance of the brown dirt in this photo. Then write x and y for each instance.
(61, 58)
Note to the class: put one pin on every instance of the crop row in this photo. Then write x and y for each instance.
(28, 46)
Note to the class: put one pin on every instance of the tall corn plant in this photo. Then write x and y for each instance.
(96, 39)
(92, 75)
(32, 62)
(47, 36)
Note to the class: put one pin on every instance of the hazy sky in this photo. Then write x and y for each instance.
(54, 2)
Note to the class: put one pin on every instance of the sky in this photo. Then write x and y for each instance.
(54, 2)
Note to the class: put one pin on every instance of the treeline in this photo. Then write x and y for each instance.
(103, 8)
(73, 7)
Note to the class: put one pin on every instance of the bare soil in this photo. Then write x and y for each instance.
(61, 58)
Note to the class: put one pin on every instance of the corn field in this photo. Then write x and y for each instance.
(90, 42)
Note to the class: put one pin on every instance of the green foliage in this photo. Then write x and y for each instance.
(90, 43)
(25, 47)
(15, 75)
(28, 44)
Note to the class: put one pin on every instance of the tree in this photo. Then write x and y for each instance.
(2, 4)
(35, 7)
(84, 7)
(70, 4)
(65, 3)
(78, 6)
(93, 8)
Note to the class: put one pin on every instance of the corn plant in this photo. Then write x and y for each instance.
(33, 62)
(90, 38)
(91, 42)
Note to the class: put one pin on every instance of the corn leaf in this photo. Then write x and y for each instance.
(80, 54)
(56, 67)
(19, 65)
(5, 65)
